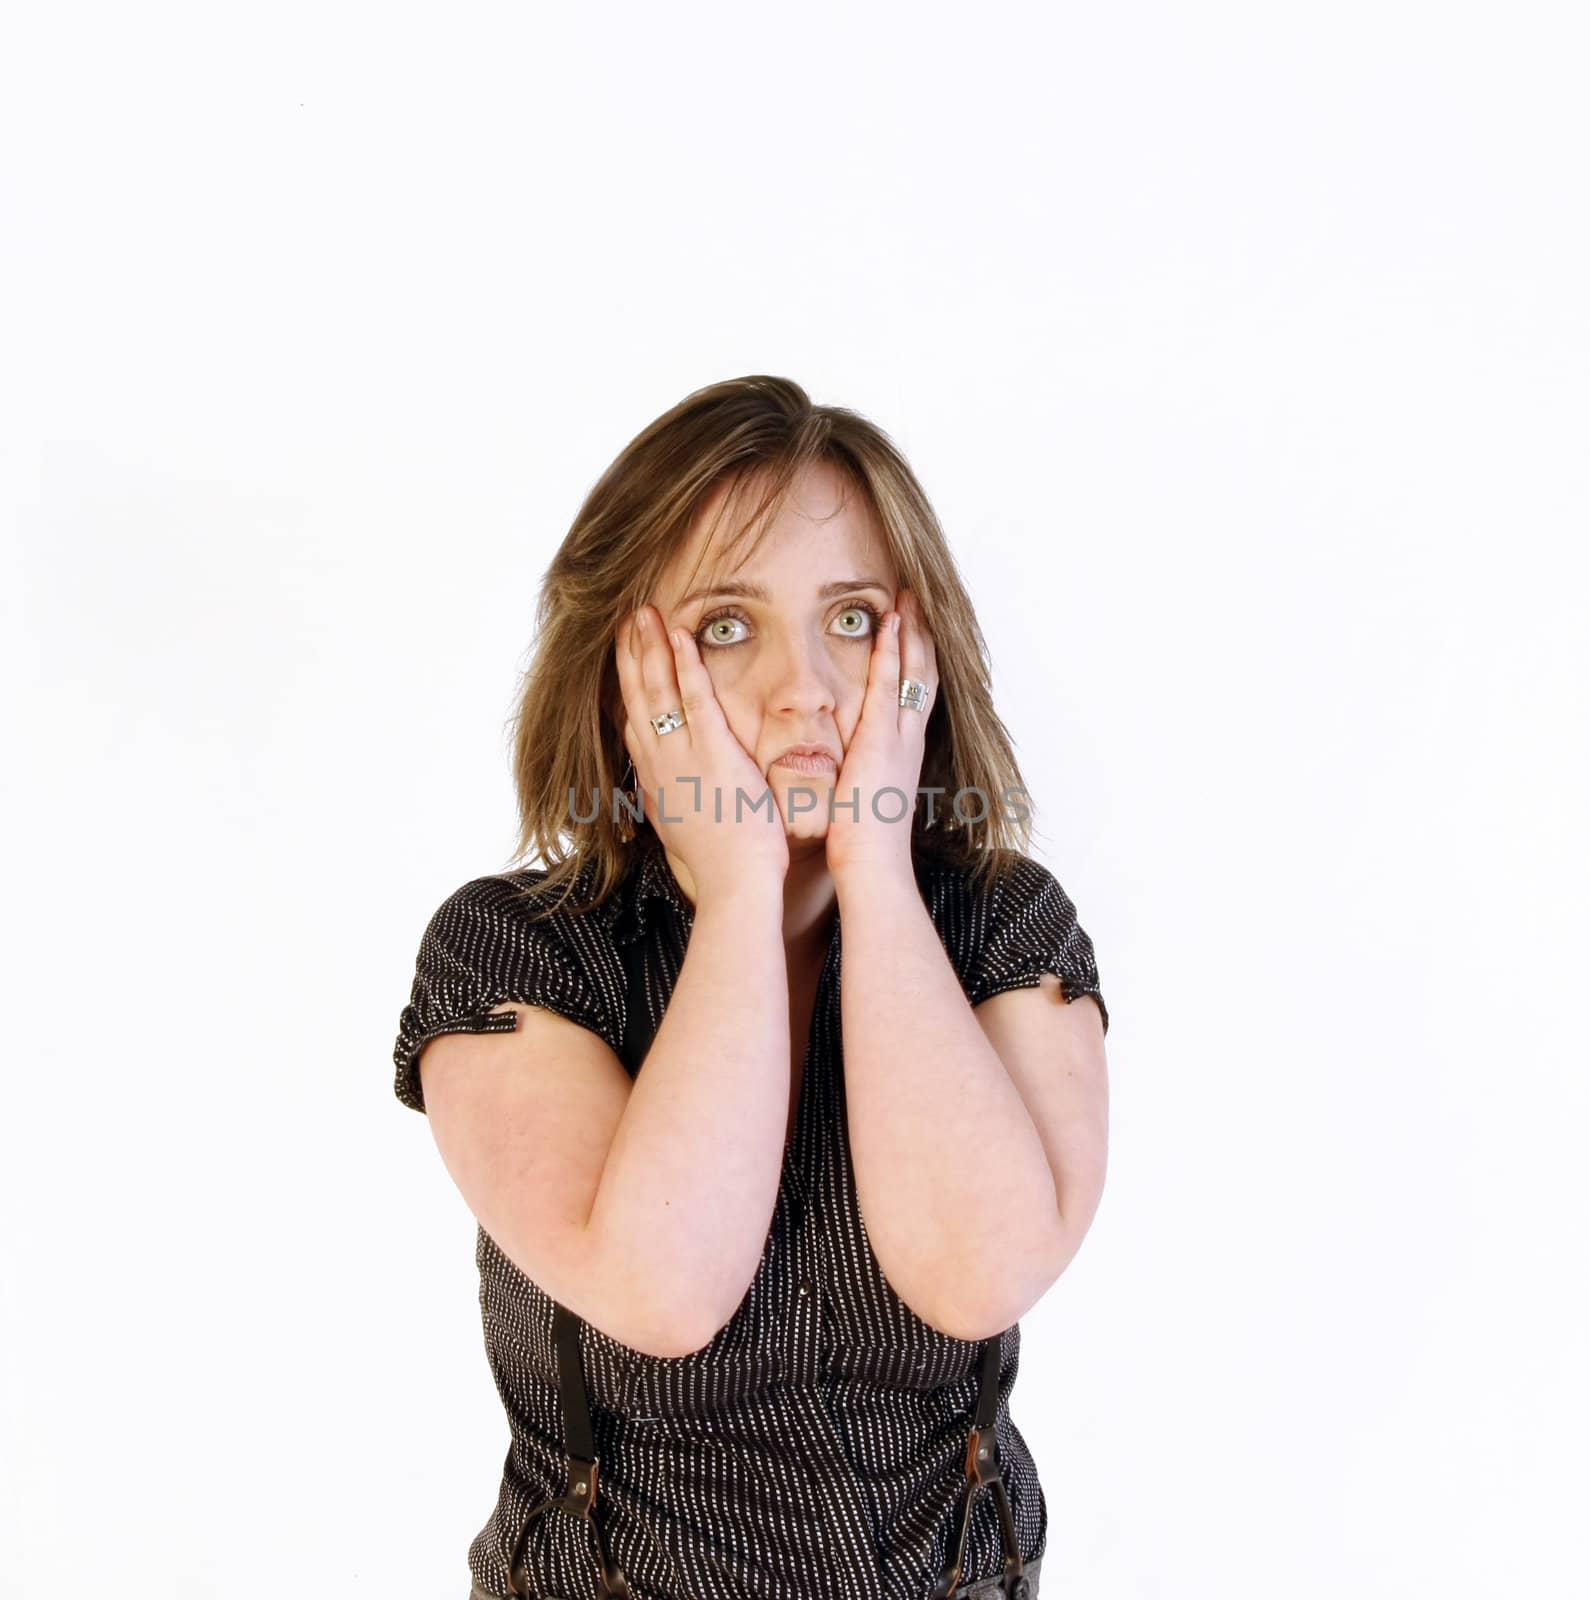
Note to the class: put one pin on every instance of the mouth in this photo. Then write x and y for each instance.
(807, 758)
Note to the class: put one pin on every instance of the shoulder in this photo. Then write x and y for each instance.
(484, 923)
(502, 937)
(1006, 926)
(513, 899)
(964, 900)
(507, 911)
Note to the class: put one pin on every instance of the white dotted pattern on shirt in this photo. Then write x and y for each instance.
(815, 1447)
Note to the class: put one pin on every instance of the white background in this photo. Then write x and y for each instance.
(1243, 351)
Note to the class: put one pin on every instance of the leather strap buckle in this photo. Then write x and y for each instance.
(983, 1468)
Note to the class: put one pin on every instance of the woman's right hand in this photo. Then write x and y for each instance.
(749, 839)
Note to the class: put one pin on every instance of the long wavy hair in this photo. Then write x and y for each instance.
(750, 434)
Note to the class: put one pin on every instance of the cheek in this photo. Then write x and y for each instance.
(850, 677)
(727, 684)
(740, 710)
(847, 712)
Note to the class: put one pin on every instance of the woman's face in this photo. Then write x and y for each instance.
(787, 637)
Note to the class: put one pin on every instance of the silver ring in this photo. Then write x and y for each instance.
(913, 694)
(667, 722)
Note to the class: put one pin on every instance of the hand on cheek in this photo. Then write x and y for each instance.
(875, 792)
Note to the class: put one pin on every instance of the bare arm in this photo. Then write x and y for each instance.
(687, 1192)
(961, 1204)
(643, 1205)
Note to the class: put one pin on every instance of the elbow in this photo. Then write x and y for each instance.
(630, 1294)
(695, 1333)
(695, 1319)
(670, 1344)
(650, 1326)
(977, 1302)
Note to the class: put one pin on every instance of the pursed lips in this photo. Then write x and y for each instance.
(807, 758)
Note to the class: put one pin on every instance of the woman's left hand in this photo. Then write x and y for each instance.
(875, 789)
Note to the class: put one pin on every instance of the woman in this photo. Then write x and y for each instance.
(760, 1207)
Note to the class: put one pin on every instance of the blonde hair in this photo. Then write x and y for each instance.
(745, 432)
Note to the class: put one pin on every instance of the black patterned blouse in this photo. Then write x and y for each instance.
(815, 1447)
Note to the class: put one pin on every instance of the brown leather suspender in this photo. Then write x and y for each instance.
(983, 1467)
(580, 1498)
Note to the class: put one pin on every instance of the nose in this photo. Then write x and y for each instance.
(802, 680)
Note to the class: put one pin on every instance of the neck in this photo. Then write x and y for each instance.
(811, 900)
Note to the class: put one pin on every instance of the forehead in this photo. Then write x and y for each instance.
(825, 524)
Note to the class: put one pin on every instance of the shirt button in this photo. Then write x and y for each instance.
(806, 1285)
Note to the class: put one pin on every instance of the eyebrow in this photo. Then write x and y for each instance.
(756, 591)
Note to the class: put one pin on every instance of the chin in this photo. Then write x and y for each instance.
(813, 822)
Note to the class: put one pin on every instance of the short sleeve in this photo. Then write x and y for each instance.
(480, 949)
(1031, 928)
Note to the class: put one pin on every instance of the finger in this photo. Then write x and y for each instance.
(882, 700)
(657, 665)
(696, 695)
(640, 706)
(917, 661)
(911, 657)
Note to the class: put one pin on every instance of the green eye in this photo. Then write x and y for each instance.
(861, 609)
(716, 632)
(709, 636)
